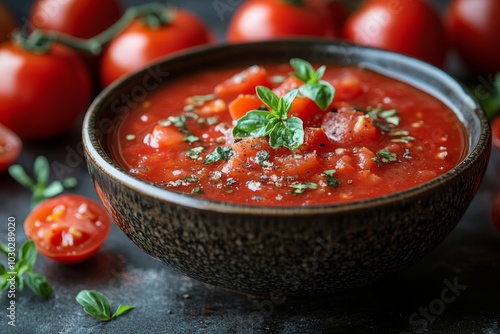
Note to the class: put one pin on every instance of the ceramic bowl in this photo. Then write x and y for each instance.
(287, 251)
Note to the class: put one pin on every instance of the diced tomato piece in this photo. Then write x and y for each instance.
(164, 137)
(243, 82)
(290, 83)
(347, 87)
(243, 104)
(298, 164)
(368, 178)
(307, 110)
(249, 147)
(213, 107)
(345, 165)
(365, 158)
(316, 139)
(349, 127)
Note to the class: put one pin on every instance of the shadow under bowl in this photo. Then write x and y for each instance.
(287, 251)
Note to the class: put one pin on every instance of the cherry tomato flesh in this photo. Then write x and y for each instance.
(68, 228)
(10, 147)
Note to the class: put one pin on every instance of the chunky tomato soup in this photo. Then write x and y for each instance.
(378, 136)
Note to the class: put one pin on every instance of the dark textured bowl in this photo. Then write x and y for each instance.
(286, 251)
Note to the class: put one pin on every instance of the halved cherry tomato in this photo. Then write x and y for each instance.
(473, 27)
(268, 19)
(243, 104)
(140, 44)
(412, 27)
(495, 211)
(10, 147)
(68, 228)
(243, 82)
(41, 94)
(495, 132)
(7, 22)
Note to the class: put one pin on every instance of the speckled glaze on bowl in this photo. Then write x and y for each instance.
(286, 251)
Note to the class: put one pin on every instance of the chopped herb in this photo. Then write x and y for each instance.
(199, 100)
(385, 156)
(177, 121)
(224, 153)
(192, 178)
(196, 190)
(385, 120)
(229, 191)
(130, 137)
(191, 138)
(230, 182)
(331, 181)
(262, 158)
(300, 188)
(212, 120)
(194, 153)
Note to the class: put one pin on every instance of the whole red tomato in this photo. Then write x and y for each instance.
(140, 44)
(474, 29)
(412, 27)
(268, 19)
(7, 22)
(41, 94)
(83, 19)
(338, 13)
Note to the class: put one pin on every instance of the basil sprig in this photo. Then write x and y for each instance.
(97, 305)
(283, 131)
(22, 271)
(320, 91)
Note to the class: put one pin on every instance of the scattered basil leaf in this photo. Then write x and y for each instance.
(97, 305)
(23, 271)
(386, 156)
(39, 186)
(300, 188)
(331, 181)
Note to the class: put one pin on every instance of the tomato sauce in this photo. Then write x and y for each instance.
(378, 136)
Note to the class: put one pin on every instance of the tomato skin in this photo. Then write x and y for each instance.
(338, 13)
(82, 19)
(7, 22)
(83, 220)
(139, 44)
(473, 28)
(412, 27)
(41, 94)
(495, 132)
(10, 147)
(268, 19)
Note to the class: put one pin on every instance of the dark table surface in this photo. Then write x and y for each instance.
(455, 289)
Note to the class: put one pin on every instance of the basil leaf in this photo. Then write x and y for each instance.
(41, 169)
(268, 97)
(28, 254)
(122, 309)
(289, 134)
(321, 93)
(224, 153)
(4, 280)
(95, 303)
(4, 249)
(18, 173)
(288, 99)
(303, 69)
(319, 73)
(39, 284)
(252, 124)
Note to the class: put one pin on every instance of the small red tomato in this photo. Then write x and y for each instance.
(68, 228)
(495, 211)
(495, 131)
(41, 94)
(7, 22)
(268, 19)
(473, 28)
(82, 19)
(412, 27)
(10, 147)
(140, 44)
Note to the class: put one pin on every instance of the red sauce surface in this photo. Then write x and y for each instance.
(342, 141)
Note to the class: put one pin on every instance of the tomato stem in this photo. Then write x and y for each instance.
(295, 2)
(41, 42)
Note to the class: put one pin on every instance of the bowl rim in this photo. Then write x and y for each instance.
(94, 152)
